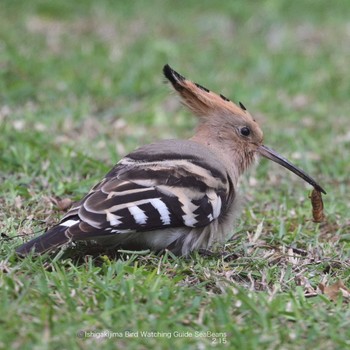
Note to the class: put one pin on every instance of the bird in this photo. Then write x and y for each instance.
(175, 195)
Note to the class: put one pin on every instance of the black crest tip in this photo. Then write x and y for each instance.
(224, 98)
(173, 76)
(242, 106)
(201, 87)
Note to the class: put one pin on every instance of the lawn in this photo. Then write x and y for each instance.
(81, 85)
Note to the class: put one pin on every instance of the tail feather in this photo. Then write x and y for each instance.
(50, 240)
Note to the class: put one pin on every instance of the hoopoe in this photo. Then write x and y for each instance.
(178, 195)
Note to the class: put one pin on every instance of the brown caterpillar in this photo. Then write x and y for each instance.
(317, 206)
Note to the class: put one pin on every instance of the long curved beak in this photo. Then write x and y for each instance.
(274, 156)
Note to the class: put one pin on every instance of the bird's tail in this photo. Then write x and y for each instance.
(50, 240)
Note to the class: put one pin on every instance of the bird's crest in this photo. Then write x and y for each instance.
(201, 101)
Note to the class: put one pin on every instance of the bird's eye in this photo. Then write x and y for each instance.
(245, 131)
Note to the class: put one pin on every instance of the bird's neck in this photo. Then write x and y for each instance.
(233, 158)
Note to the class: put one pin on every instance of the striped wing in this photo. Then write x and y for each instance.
(149, 190)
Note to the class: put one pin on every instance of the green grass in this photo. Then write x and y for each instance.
(81, 85)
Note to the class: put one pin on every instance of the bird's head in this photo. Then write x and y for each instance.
(228, 124)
